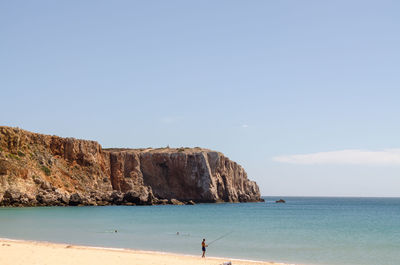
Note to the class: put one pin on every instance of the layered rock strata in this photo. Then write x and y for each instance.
(37, 169)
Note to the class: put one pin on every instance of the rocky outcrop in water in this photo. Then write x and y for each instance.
(37, 169)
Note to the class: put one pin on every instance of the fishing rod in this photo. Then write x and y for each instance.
(221, 237)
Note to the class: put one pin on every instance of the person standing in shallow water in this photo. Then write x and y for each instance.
(203, 247)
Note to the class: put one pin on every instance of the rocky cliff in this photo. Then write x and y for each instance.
(37, 169)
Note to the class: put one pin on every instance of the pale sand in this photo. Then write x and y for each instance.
(16, 252)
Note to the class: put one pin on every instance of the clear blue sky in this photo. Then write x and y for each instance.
(261, 81)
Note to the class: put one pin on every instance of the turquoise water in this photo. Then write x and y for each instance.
(305, 230)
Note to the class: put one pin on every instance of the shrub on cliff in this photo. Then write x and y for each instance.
(12, 156)
(46, 170)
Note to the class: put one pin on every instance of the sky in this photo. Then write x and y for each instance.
(305, 95)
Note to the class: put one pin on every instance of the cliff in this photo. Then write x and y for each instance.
(37, 169)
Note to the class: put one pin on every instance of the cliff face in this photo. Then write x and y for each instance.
(38, 169)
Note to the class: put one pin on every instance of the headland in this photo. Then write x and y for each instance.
(46, 170)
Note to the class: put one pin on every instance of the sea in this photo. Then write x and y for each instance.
(304, 230)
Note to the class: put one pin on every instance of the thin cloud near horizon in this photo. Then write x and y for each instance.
(344, 157)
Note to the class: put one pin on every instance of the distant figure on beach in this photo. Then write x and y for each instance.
(177, 233)
(203, 247)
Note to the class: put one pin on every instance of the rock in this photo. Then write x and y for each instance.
(162, 201)
(37, 180)
(105, 197)
(190, 202)
(5, 167)
(176, 202)
(11, 197)
(48, 199)
(102, 203)
(280, 201)
(63, 199)
(75, 199)
(27, 200)
(132, 197)
(51, 170)
(116, 197)
(91, 203)
(150, 197)
(45, 185)
(39, 198)
(196, 174)
(142, 196)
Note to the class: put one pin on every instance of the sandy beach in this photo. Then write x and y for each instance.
(16, 252)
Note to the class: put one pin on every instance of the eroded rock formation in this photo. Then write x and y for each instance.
(37, 169)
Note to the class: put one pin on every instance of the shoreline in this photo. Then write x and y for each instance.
(17, 251)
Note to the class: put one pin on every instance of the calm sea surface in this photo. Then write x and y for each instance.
(304, 230)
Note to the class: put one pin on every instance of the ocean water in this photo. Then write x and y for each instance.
(304, 230)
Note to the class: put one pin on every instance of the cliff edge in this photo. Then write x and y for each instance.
(37, 169)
